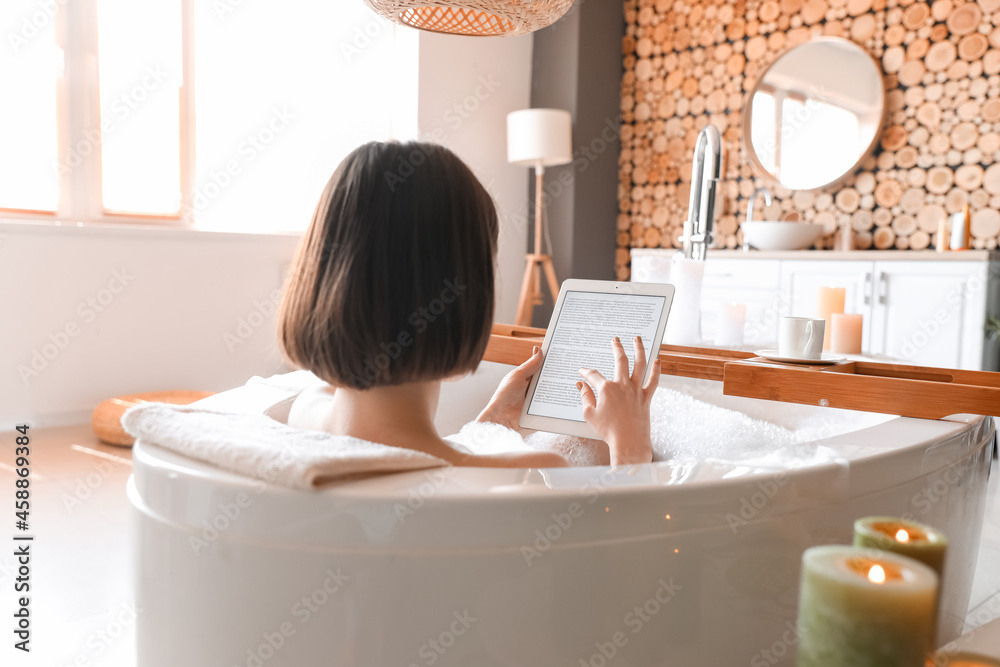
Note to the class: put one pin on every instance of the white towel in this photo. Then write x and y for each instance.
(259, 447)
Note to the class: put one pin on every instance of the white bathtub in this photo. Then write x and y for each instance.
(695, 563)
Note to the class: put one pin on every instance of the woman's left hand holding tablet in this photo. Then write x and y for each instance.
(508, 400)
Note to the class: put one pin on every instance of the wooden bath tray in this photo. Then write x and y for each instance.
(907, 391)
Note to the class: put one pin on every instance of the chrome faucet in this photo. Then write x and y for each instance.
(750, 207)
(704, 181)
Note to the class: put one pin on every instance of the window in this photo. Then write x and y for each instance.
(795, 130)
(221, 114)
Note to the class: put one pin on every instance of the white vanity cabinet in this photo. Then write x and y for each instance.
(930, 315)
(924, 312)
(918, 308)
(754, 284)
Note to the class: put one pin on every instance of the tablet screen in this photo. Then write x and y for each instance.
(582, 338)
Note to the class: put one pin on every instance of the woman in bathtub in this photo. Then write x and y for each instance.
(392, 291)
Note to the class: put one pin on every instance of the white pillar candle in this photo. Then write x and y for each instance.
(829, 300)
(684, 324)
(729, 324)
(845, 335)
(864, 608)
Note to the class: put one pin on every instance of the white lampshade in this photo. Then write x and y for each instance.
(539, 137)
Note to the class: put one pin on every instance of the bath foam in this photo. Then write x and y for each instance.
(682, 427)
(686, 427)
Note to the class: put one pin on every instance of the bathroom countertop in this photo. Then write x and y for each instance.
(869, 255)
(82, 566)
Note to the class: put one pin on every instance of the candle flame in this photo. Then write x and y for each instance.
(902, 535)
(876, 574)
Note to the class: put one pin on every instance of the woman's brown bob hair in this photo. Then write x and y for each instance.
(393, 280)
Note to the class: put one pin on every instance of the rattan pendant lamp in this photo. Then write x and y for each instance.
(482, 18)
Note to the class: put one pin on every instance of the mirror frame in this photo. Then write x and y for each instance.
(747, 144)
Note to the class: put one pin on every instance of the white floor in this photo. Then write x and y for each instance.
(81, 586)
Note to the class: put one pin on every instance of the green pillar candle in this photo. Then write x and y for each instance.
(906, 538)
(859, 608)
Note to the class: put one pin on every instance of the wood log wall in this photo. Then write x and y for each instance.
(692, 62)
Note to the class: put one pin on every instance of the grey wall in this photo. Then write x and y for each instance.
(577, 66)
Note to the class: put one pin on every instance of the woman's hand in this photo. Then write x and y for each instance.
(620, 411)
(505, 406)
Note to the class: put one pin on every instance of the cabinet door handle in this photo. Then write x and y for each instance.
(868, 289)
(883, 287)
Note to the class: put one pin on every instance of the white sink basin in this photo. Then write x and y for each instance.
(780, 235)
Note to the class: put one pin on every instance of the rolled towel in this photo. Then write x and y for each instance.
(261, 448)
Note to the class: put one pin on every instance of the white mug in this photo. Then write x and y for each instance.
(801, 338)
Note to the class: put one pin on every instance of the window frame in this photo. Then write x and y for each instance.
(78, 121)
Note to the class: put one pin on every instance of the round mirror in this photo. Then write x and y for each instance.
(814, 114)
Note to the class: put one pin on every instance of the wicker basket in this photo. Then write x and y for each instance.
(484, 18)
(106, 418)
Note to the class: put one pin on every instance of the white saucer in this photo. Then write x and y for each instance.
(773, 355)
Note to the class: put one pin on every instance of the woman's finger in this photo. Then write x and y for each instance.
(586, 397)
(531, 365)
(653, 382)
(639, 370)
(593, 377)
(621, 360)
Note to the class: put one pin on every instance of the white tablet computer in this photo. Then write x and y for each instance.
(587, 315)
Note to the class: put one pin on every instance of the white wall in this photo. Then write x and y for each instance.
(98, 311)
(468, 85)
(173, 319)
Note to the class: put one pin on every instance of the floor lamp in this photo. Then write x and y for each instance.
(538, 138)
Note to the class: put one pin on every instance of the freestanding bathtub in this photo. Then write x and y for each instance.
(673, 563)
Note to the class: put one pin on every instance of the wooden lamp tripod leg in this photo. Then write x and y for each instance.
(524, 304)
(536, 263)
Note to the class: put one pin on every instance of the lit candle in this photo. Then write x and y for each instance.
(845, 338)
(858, 608)
(729, 324)
(830, 301)
(963, 659)
(906, 538)
(980, 647)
